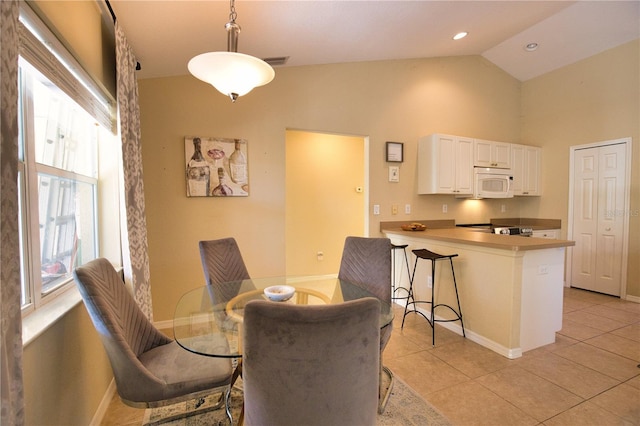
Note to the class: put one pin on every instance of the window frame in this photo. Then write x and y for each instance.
(41, 49)
(30, 171)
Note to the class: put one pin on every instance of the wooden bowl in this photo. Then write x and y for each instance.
(414, 227)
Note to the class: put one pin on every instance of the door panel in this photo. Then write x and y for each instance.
(598, 200)
(585, 225)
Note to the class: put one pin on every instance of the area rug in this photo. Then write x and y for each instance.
(404, 408)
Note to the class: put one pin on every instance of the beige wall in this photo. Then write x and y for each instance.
(66, 372)
(322, 204)
(594, 100)
(386, 101)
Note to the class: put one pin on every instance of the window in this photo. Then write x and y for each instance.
(64, 120)
(58, 185)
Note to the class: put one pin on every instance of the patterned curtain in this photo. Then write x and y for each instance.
(134, 235)
(11, 390)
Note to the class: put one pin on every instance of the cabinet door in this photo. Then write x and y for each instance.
(464, 166)
(501, 155)
(492, 154)
(445, 165)
(436, 164)
(525, 166)
(551, 234)
(482, 153)
(531, 182)
(518, 168)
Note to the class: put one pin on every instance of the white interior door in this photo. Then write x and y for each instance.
(598, 218)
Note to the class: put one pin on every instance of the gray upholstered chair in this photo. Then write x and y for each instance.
(150, 369)
(222, 261)
(311, 364)
(366, 262)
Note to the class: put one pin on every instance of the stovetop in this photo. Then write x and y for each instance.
(524, 231)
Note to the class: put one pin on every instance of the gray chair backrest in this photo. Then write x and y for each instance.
(366, 262)
(222, 261)
(125, 331)
(311, 364)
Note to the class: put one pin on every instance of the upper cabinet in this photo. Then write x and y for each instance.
(525, 165)
(445, 165)
(491, 154)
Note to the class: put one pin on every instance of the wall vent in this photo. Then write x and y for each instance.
(278, 60)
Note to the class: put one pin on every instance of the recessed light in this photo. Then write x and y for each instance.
(530, 47)
(458, 36)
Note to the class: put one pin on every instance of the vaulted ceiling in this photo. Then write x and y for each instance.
(166, 34)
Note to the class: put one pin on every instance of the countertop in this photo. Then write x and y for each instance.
(480, 238)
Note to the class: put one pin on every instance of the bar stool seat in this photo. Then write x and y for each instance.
(397, 288)
(433, 257)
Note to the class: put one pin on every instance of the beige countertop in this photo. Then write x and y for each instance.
(485, 239)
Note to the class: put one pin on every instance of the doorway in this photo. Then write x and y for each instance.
(326, 199)
(598, 220)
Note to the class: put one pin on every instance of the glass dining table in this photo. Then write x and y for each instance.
(208, 319)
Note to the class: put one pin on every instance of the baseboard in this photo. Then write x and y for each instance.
(104, 404)
(164, 325)
(474, 337)
(630, 298)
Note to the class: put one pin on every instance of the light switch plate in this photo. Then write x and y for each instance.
(394, 174)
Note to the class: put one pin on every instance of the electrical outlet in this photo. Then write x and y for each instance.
(503, 208)
(394, 209)
(407, 209)
(444, 208)
(376, 209)
(543, 269)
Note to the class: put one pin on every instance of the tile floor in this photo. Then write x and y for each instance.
(590, 376)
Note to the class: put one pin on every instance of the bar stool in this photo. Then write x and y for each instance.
(433, 257)
(394, 248)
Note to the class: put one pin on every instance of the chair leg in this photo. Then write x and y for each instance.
(183, 415)
(227, 395)
(384, 395)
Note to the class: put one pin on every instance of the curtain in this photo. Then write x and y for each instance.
(11, 390)
(134, 231)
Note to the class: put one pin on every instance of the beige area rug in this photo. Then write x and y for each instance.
(404, 407)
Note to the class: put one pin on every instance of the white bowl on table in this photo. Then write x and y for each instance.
(279, 293)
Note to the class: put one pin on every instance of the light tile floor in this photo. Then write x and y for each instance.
(590, 376)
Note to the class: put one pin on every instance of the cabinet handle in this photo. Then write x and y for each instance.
(607, 229)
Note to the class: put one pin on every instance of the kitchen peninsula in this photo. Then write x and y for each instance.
(511, 287)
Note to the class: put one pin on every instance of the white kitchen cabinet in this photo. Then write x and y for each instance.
(445, 165)
(525, 165)
(491, 154)
(552, 234)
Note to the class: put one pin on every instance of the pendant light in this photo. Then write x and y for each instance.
(233, 74)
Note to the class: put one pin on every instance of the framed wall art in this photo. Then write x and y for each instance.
(216, 167)
(395, 152)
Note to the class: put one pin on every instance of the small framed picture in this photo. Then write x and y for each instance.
(395, 151)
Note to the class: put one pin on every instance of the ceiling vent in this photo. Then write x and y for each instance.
(278, 60)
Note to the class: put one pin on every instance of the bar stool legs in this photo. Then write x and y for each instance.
(433, 257)
(395, 288)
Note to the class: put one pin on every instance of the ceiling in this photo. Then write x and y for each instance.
(166, 34)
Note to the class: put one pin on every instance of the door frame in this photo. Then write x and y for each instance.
(627, 142)
(364, 189)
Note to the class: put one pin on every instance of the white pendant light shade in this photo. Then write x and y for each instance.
(232, 74)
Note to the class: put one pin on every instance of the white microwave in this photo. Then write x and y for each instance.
(492, 183)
